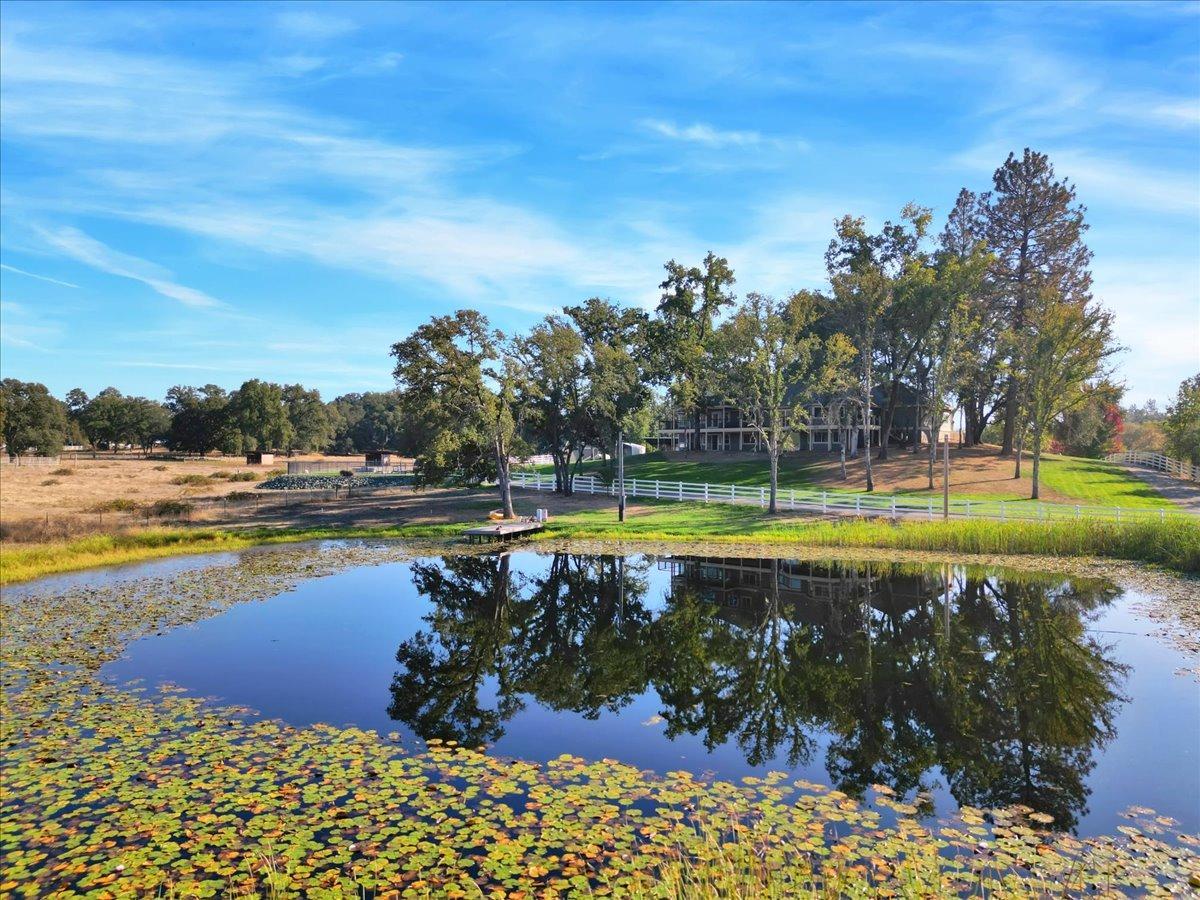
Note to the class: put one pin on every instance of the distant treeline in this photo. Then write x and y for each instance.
(259, 415)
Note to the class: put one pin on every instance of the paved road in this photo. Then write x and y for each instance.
(1182, 493)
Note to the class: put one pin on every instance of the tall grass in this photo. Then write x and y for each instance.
(25, 562)
(1173, 544)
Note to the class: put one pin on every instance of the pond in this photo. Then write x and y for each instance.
(963, 686)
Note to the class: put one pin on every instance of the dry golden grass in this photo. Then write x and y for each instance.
(36, 492)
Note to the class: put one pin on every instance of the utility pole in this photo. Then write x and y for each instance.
(620, 477)
(946, 479)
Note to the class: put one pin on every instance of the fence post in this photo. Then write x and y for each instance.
(1162, 515)
(1002, 513)
(706, 492)
(793, 495)
(1077, 510)
(634, 487)
(893, 506)
(656, 488)
(824, 501)
(968, 502)
(680, 488)
(733, 493)
(857, 505)
(930, 507)
(762, 497)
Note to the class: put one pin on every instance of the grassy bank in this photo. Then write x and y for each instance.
(1175, 544)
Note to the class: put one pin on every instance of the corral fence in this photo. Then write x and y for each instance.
(32, 461)
(308, 468)
(833, 502)
(1176, 468)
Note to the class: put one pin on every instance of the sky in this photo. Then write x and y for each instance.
(195, 193)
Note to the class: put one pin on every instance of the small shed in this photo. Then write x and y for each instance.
(379, 457)
(259, 458)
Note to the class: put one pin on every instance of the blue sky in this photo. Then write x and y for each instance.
(200, 193)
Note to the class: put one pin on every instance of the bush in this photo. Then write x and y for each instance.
(347, 473)
(221, 475)
(117, 504)
(63, 471)
(190, 479)
(50, 481)
(240, 496)
(160, 468)
(242, 476)
(176, 508)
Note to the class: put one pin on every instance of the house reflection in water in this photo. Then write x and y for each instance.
(747, 589)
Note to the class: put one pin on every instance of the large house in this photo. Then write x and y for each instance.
(722, 427)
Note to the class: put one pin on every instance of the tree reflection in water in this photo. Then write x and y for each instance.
(988, 677)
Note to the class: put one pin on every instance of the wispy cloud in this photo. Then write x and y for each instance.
(25, 328)
(312, 25)
(710, 136)
(280, 181)
(78, 246)
(45, 278)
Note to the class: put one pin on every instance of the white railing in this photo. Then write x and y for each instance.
(846, 503)
(1177, 468)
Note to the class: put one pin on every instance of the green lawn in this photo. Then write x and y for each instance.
(1099, 483)
(1091, 482)
(753, 470)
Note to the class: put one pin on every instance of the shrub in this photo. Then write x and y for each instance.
(243, 476)
(50, 481)
(347, 473)
(117, 504)
(63, 471)
(221, 475)
(160, 468)
(240, 496)
(177, 508)
(193, 478)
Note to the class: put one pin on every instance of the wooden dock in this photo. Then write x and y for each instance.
(501, 531)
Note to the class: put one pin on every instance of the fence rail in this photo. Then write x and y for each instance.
(1177, 468)
(33, 461)
(834, 502)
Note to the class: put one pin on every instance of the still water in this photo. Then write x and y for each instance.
(979, 687)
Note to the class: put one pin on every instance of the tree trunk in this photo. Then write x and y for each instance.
(698, 417)
(889, 415)
(842, 456)
(917, 429)
(933, 438)
(1010, 418)
(773, 452)
(1037, 460)
(1019, 451)
(971, 427)
(502, 480)
(867, 452)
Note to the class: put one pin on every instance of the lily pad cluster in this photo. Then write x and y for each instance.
(110, 792)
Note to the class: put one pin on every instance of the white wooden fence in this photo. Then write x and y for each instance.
(845, 503)
(1177, 468)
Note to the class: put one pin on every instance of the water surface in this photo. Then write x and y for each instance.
(977, 687)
